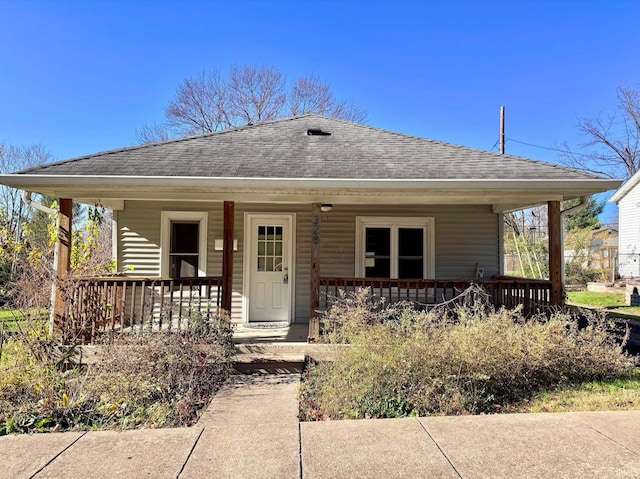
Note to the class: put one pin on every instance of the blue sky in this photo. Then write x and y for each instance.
(80, 77)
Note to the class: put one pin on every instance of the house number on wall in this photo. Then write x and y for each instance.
(316, 229)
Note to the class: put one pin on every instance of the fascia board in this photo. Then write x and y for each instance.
(24, 181)
(622, 192)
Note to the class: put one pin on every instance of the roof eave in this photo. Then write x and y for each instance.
(514, 194)
(628, 186)
(25, 181)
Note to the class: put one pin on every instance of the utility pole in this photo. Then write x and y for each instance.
(502, 130)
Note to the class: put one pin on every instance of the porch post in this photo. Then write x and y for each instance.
(63, 262)
(555, 253)
(227, 259)
(314, 283)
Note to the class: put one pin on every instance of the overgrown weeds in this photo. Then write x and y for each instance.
(466, 360)
(154, 380)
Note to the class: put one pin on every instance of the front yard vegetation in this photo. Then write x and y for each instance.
(154, 380)
(468, 359)
(611, 395)
(612, 302)
(596, 300)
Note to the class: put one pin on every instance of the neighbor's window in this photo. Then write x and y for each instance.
(184, 241)
(394, 247)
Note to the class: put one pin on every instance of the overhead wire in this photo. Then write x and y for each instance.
(569, 152)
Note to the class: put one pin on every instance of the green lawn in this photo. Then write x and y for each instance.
(618, 394)
(614, 303)
(15, 319)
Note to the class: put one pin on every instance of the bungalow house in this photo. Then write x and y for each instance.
(628, 200)
(277, 214)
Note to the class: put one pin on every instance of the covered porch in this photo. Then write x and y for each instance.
(314, 205)
(89, 307)
(97, 306)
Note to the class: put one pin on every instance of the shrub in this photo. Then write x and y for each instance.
(156, 380)
(469, 360)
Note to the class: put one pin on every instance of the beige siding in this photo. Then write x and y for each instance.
(465, 237)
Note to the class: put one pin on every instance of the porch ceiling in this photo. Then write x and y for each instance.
(503, 194)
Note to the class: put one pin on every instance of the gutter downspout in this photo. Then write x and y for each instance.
(584, 201)
(26, 197)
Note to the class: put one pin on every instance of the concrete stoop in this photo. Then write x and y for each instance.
(279, 358)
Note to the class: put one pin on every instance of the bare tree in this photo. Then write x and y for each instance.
(256, 94)
(211, 102)
(310, 95)
(152, 133)
(200, 105)
(12, 159)
(613, 142)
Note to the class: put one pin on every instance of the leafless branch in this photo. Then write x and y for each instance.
(612, 144)
(211, 102)
(152, 133)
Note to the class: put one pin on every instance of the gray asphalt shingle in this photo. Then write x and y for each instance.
(283, 149)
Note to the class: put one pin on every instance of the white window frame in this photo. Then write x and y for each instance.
(165, 238)
(426, 223)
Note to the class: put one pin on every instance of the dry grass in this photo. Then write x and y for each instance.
(471, 360)
(159, 380)
(618, 394)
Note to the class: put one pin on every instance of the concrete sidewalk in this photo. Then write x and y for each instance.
(251, 431)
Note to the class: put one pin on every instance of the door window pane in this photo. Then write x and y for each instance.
(270, 248)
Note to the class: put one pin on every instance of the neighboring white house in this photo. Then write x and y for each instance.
(628, 200)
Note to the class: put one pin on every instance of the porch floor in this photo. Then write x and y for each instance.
(295, 333)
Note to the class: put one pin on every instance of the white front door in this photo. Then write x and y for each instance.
(270, 267)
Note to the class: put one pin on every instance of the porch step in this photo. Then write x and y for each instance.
(275, 349)
(269, 358)
(279, 357)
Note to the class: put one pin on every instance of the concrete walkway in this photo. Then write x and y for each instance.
(251, 431)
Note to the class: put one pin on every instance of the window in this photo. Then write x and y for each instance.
(270, 241)
(183, 244)
(394, 247)
(183, 249)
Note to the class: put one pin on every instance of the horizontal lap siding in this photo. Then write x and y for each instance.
(464, 236)
(139, 240)
(139, 236)
(629, 234)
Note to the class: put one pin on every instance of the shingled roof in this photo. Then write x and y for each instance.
(306, 147)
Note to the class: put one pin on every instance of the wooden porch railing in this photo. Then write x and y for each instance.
(424, 291)
(97, 305)
(533, 294)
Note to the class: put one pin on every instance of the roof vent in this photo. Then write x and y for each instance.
(317, 132)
